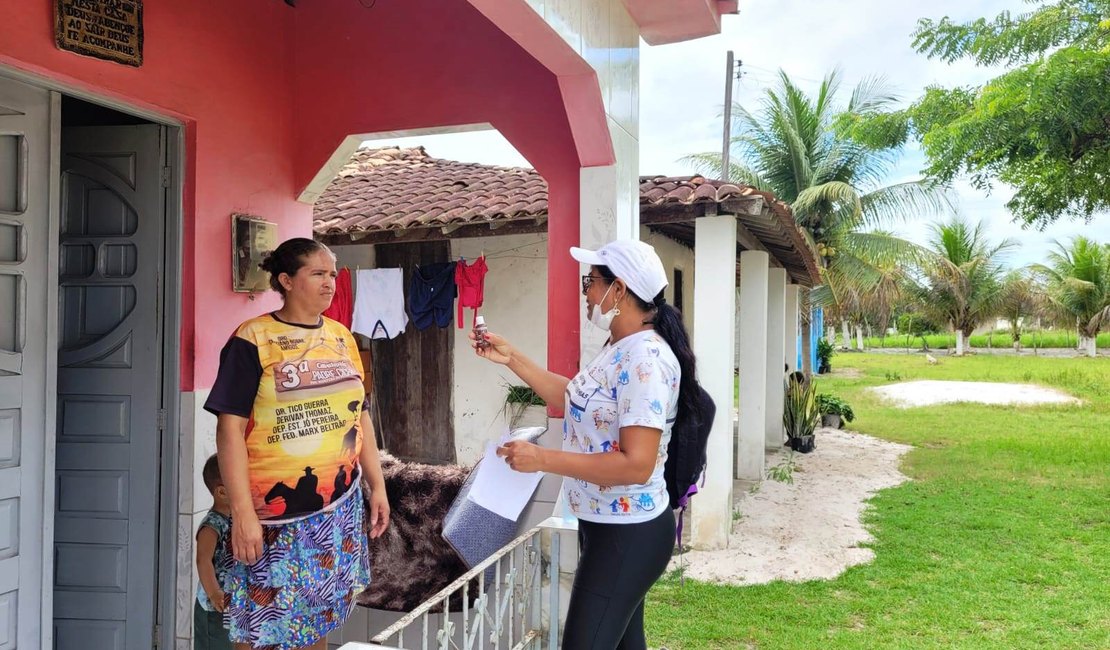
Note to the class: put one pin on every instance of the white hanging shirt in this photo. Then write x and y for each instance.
(633, 382)
(379, 311)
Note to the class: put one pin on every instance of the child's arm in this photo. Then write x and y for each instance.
(206, 549)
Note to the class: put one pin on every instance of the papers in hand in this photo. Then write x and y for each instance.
(499, 488)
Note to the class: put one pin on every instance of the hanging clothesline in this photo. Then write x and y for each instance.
(501, 254)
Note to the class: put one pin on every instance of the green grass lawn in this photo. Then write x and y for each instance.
(1046, 339)
(1002, 539)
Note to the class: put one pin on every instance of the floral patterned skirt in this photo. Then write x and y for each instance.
(305, 584)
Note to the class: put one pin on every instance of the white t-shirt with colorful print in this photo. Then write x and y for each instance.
(633, 382)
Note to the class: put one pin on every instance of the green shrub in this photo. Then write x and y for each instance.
(833, 405)
(523, 395)
(825, 352)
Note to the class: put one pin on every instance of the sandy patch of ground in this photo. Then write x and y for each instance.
(929, 392)
(809, 529)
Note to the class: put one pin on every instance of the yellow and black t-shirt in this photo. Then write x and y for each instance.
(301, 388)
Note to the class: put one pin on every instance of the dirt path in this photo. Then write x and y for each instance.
(809, 529)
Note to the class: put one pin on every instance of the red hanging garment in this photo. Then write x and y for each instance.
(471, 281)
(342, 304)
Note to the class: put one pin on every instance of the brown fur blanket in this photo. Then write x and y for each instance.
(411, 561)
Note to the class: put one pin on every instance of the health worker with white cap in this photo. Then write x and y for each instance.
(620, 410)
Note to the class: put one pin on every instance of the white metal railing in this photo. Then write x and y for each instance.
(509, 610)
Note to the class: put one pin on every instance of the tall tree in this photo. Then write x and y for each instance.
(962, 279)
(795, 146)
(1042, 127)
(1079, 284)
(1021, 300)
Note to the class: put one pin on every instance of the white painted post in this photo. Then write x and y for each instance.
(776, 355)
(793, 294)
(714, 338)
(753, 364)
(599, 223)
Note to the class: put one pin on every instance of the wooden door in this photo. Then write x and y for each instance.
(413, 373)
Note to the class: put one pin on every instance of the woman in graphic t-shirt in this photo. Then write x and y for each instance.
(294, 441)
(620, 409)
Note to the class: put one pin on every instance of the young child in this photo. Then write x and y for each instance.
(213, 537)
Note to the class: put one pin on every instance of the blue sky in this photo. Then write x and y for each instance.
(681, 93)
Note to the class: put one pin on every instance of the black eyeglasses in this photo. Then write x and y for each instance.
(588, 281)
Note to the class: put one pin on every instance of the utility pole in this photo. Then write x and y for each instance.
(728, 119)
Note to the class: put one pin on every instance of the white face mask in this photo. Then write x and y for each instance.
(600, 320)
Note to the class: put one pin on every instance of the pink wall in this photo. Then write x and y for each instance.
(459, 69)
(267, 93)
(222, 69)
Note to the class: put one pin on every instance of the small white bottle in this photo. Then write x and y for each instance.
(480, 331)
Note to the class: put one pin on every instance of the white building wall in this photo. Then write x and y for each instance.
(675, 256)
(515, 307)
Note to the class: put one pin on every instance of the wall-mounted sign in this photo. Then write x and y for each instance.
(252, 240)
(105, 29)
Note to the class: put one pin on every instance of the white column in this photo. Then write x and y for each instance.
(714, 331)
(776, 355)
(753, 364)
(598, 225)
(793, 292)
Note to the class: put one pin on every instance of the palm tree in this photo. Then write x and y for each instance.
(841, 301)
(1079, 284)
(848, 302)
(961, 281)
(1021, 300)
(881, 298)
(796, 147)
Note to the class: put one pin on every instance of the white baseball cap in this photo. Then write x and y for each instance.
(633, 261)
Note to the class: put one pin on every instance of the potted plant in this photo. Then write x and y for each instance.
(834, 410)
(800, 415)
(525, 408)
(825, 352)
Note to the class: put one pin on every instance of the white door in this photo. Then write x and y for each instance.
(27, 233)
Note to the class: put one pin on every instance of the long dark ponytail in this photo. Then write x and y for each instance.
(667, 322)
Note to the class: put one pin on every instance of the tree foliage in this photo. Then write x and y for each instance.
(961, 281)
(796, 145)
(1022, 298)
(1042, 127)
(1078, 277)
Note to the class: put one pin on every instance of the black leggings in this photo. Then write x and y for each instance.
(617, 565)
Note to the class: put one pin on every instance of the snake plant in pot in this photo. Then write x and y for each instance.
(800, 415)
